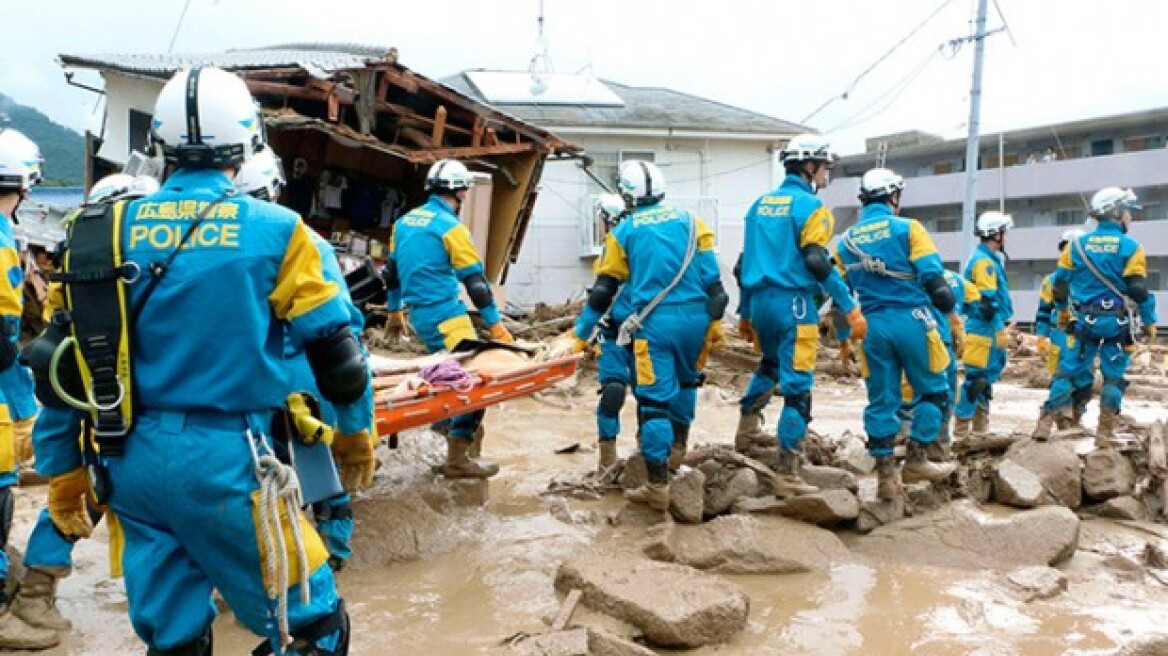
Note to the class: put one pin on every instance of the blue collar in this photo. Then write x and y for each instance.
(1109, 226)
(793, 180)
(189, 180)
(441, 203)
(876, 211)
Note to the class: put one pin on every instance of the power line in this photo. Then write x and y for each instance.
(895, 90)
(851, 87)
(178, 27)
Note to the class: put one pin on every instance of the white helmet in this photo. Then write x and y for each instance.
(20, 162)
(808, 148)
(992, 223)
(610, 208)
(641, 183)
(879, 183)
(121, 186)
(206, 118)
(262, 176)
(448, 175)
(1110, 202)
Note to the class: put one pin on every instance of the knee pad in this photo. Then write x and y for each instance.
(201, 646)
(769, 369)
(938, 399)
(1081, 396)
(612, 399)
(305, 638)
(975, 387)
(800, 403)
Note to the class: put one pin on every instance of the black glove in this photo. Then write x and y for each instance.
(988, 308)
(8, 353)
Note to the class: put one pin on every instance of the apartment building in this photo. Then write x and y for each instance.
(1043, 176)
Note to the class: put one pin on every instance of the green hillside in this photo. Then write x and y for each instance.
(62, 148)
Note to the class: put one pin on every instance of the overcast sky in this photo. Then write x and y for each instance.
(1067, 59)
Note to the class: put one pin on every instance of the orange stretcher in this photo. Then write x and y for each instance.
(399, 409)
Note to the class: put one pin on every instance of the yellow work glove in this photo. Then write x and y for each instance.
(1064, 320)
(1002, 339)
(1150, 332)
(715, 337)
(309, 427)
(22, 430)
(354, 456)
(1043, 345)
(396, 320)
(499, 333)
(746, 332)
(957, 333)
(67, 504)
(858, 324)
(845, 352)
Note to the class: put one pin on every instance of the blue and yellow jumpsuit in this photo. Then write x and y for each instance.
(986, 337)
(903, 338)
(1101, 325)
(615, 363)
(778, 297)
(334, 516)
(644, 253)
(185, 494)
(434, 252)
(1046, 324)
(17, 402)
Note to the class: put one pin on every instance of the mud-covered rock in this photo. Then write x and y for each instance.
(825, 508)
(745, 544)
(1149, 646)
(1107, 473)
(961, 536)
(720, 494)
(687, 494)
(1014, 485)
(1056, 465)
(830, 478)
(603, 643)
(558, 643)
(770, 505)
(1127, 507)
(1038, 582)
(392, 530)
(674, 605)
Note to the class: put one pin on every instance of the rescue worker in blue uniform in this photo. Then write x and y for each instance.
(985, 348)
(1052, 340)
(785, 261)
(205, 400)
(430, 253)
(894, 267)
(263, 177)
(615, 363)
(20, 169)
(49, 556)
(1104, 276)
(664, 259)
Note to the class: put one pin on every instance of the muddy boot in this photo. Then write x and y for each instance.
(1046, 423)
(888, 479)
(940, 450)
(476, 445)
(36, 602)
(981, 420)
(917, 467)
(1106, 430)
(961, 428)
(608, 456)
(680, 446)
(16, 634)
(750, 434)
(789, 482)
(655, 493)
(459, 465)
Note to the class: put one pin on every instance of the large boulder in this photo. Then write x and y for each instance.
(830, 478)
(687, 496)
(1015, 485)
(721, 492)
(825, 508)
(747, 544)
(962, 536)
(674, 605)
(1107, 473)
(393, 530)
(1056, 465)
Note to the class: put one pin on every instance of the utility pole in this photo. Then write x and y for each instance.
(969, 209)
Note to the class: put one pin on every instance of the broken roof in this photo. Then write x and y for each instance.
(642, 108)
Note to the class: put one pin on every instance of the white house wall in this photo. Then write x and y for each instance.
(123, 93)
(551, 268)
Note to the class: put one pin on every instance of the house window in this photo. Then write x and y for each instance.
(1069, 217)
(1153, 212)
(1136, 144)
(1102, 147)
(139, 130)
(1153, 281)
(941, 168)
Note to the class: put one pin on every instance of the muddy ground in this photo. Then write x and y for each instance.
(433, 577)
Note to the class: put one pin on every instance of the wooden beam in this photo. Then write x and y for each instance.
(399, 79)
(439, 130)
(431, 156)
(476, 137)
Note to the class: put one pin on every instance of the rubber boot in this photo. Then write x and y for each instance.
(789, 482)
(1046, 423)
(459, 465)
(655, 493)
(476, 445)
(917, 467)
(1106, 430)
(608, 456)
(981, 420)
(16, 634)
(36, 602)
(961, 428)
(940, 450)
(680, 446)
(888, 479)
(750, 434)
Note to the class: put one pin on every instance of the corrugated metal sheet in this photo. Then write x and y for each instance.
(309, 57)
(652, 108)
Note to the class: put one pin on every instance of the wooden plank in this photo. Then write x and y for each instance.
(439, 130)
(566, 610)
(431, 156)
(476, 137)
